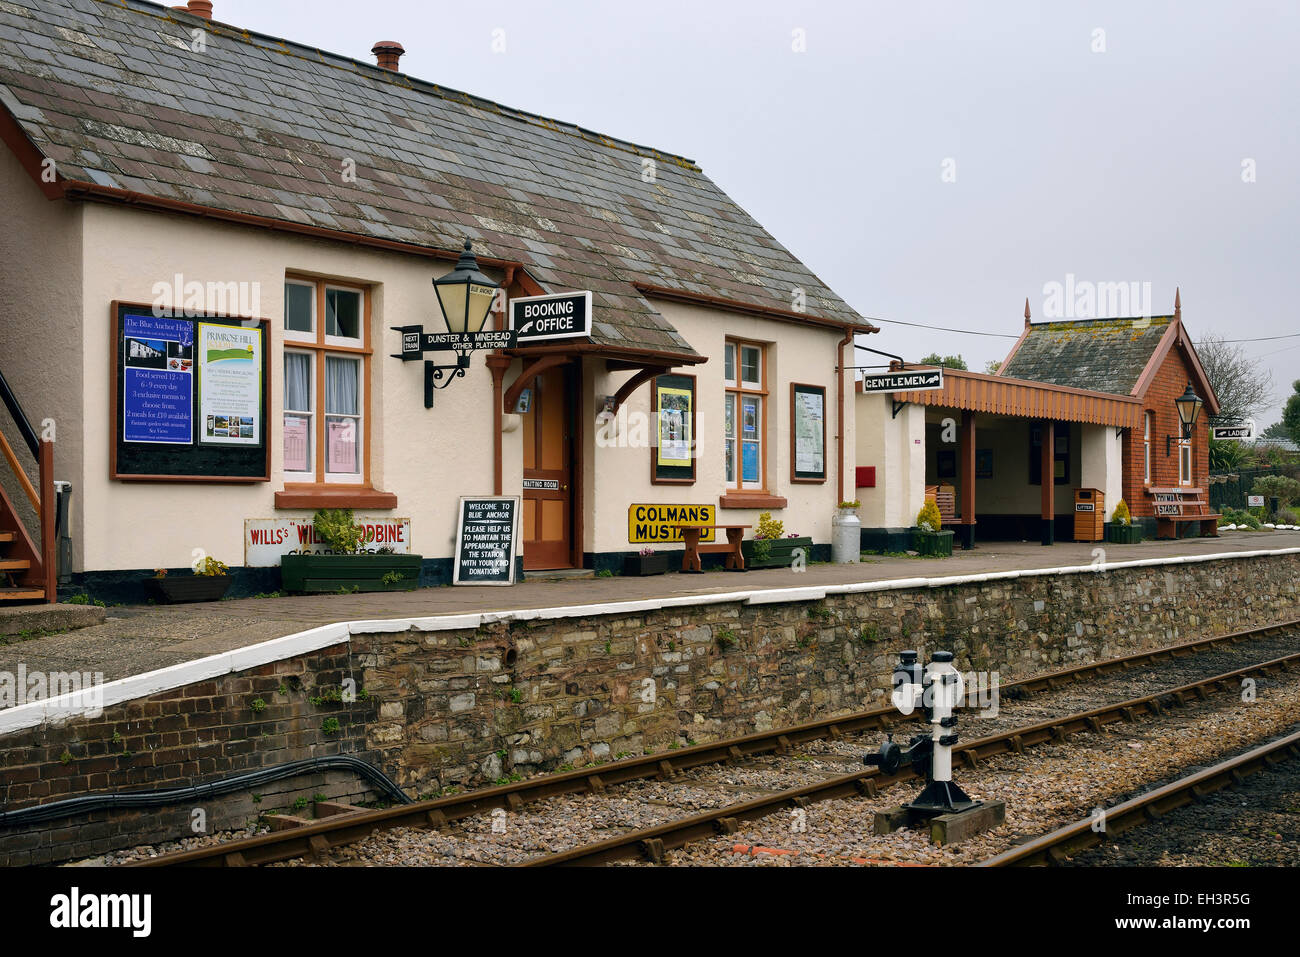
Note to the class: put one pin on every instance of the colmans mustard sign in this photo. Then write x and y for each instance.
(659, 523)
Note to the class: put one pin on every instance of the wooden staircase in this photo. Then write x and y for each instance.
(27, 567)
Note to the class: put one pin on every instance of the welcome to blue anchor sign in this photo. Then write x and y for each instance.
(416, 342)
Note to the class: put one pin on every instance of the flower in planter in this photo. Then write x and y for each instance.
(647, 551)
(768, 527)
(792, 535)
(210, 568)
(854, 505)
(928, 518)
(160, 573)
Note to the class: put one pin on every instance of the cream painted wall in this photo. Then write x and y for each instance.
(1102, 463)
(425, 456)
(619, 476)
(40, 351)
(895, 445)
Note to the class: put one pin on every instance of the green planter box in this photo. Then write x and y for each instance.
(177, 589)
(780, 552)
(333, 573)
(1124, 534)
(937, 544)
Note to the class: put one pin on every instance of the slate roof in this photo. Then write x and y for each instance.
(111, 90)
(1104, 355)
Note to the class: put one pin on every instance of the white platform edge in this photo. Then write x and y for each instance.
(60, 709)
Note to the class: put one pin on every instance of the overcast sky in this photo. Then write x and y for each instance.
(933, 162)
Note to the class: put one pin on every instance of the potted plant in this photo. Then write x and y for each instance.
(210, 582)
(347, 566)
(645, 562)
(1121, 530)
(929, 537)
(771, 547)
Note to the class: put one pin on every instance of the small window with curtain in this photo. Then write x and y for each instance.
(745, 415)
(326, 361)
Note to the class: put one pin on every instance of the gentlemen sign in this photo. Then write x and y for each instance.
(544, 318)
(486, 538)
(922, 380)
(416, 342)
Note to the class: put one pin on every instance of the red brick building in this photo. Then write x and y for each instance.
(1151, 359)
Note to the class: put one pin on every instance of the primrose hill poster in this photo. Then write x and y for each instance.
(230, 385)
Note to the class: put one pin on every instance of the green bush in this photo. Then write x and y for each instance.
(929, 515)
(1286, 517)
(1285, 489)
(337, 530)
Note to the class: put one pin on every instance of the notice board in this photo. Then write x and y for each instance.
(188, 397)
(487, 538)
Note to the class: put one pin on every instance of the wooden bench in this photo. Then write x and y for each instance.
(691, 536)
(1181, 506)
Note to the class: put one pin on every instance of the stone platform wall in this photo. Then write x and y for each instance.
(469, 707)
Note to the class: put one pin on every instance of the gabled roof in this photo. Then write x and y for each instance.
(1104, 355)
(264, 129)
(1119, 356)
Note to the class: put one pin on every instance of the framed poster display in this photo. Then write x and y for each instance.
(187, 397)
(672, 415)
(807, 433)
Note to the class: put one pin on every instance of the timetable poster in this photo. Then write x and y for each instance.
(230, 384)
(157, 380)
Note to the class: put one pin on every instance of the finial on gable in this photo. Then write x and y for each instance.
(1178, 304)
(1026, 310)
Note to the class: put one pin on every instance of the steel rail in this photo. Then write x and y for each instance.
(653, 841)
(438, 812)
(1056, 846)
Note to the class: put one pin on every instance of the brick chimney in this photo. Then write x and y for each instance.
(387, 53)
(198, 8)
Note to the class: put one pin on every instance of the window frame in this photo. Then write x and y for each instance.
(1146, 448)
(1185, 458)
(294, 335)
(320, 345)
(738, 387)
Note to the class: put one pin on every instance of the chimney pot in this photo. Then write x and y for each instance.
(197, 8)
(387, 53)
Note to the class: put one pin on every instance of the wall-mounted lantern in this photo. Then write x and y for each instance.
(1189, 407)
(465, 297)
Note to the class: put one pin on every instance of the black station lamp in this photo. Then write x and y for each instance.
(465, 297)
(1189, 407)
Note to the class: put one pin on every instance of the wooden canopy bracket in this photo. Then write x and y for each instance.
(530, 373)
(631, 385)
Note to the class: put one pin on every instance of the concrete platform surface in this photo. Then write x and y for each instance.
(137, 639)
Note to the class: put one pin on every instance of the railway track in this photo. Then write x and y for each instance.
(1056, 846)
(317, 838)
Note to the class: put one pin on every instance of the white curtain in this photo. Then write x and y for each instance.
(341, 386)
(297, 381)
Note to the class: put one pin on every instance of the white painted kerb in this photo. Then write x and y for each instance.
(58, 710)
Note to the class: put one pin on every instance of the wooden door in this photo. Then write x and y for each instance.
(548, 467)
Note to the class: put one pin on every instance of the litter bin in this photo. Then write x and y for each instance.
(1089, 515)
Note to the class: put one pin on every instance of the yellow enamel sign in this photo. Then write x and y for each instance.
(648, 524)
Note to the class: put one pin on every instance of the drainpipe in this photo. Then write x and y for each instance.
(498, 362)
(839, 417)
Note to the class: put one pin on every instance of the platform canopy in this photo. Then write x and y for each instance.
(979, 392)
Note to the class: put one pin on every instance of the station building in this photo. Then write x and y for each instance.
(1090, 402)
(295, 206)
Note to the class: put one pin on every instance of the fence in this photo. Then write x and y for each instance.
(1229, 489)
